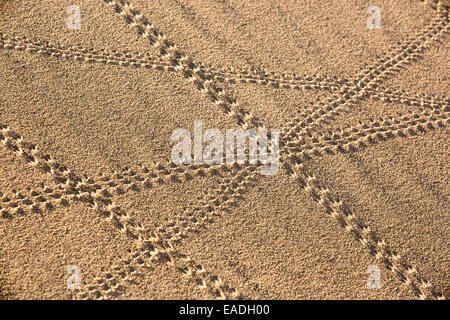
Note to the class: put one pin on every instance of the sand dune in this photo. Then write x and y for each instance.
(88, 107)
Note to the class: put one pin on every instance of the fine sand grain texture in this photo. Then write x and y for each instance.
(86, 178)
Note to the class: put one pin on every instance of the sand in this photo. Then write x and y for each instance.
(86, 117)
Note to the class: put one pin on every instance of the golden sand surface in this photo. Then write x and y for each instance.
(87, 114)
